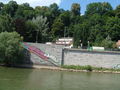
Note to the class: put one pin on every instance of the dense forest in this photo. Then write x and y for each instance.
(100, 25)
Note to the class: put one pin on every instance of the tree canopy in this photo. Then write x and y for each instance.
(47, 23)
(11, 52)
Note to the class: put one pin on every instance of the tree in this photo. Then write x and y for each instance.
(19, 12)
(96, 34)
(106, 7)
(30, 31)
(6, 23)
(25, 11)
(98, 8)
(65, 18)
(81, 32)
(11, 52)
(41, 26)
(27, 5)
(1, 6)
(117, 11)
(107, 43)
(97, 29)
(113, 28)
(99, 21)
(10, 8)
(20, 27)
(53, 13)
(57, 29)
(54, 9)
(44, 10)
(75, 9)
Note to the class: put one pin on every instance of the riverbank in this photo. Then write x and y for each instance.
(70, 69)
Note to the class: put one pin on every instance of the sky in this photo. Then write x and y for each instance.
(65, 4)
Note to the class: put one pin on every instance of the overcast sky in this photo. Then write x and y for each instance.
(65, 4)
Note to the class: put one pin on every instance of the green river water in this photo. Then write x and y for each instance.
(34, 79)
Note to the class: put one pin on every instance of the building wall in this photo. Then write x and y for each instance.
(93, 58)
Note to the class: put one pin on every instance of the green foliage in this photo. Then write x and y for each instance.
(117, 11)
(11, 52)
(107, 43)
(1, 6)
(65, 18)
(30, 31)
(81, 33)
(113, 28)
(25, 11)
(41, 26)
(6, 23)
(98, 8)
(20, 27)
(75, 9)
(87, 67)
(54, 10)
(58, 28)
(99, 21)
(10, 8)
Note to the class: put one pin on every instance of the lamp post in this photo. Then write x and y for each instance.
(64, 36)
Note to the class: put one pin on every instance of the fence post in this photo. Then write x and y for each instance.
(62, 61)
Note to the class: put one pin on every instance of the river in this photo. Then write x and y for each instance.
(35, 79)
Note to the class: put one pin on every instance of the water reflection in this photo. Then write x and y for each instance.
(29, 79)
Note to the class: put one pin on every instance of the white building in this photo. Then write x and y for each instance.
(65, 41)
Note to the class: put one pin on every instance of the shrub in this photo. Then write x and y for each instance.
(88, 67)
(107, 43)
(11, 52)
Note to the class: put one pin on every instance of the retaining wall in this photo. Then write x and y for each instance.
(75, 56)
(94, 58)
(54, 51)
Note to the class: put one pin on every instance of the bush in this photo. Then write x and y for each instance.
(88, 67)
(11, 52)
(107, 43)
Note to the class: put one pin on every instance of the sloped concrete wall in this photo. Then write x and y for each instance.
(54, 51)
(93, 58)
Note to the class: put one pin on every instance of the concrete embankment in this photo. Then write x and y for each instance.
(105, 59)
(64, 69)
(66, 56)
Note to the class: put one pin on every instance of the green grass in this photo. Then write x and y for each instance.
(88, 68)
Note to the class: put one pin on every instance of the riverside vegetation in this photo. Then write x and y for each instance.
(90, 68)
(11, 52)
(100, 25)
